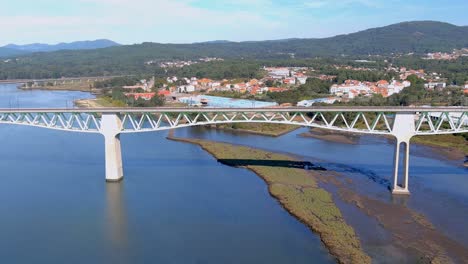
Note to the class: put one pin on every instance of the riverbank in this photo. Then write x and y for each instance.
(79, 87)
(313, 197)
(332, 136)
(449, 146)
(270, 130)
(298, 193)
(99, 102)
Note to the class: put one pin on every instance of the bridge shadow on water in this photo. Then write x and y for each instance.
(272, 163)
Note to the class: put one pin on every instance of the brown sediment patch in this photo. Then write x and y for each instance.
(445, 152)
(258, 129)
(447, 147)
(410, 230)
(298, 193)
(87, 103)
(332, 136)
(78, 87)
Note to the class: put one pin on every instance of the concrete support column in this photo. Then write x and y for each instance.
(403, 130)
(396, 163)
(110, 127)
(403, 189)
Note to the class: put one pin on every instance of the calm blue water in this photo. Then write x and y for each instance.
(216, 101)
(176, 204)
(439, 188)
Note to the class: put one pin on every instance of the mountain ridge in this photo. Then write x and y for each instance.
(407, 37)
(76, 45)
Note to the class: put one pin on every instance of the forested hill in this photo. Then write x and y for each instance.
(419, 37)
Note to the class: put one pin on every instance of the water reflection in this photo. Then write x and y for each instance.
(116, 215)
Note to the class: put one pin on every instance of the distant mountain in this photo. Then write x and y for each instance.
(418, 37)
(6, 52)
(214, 42)
(78, 45)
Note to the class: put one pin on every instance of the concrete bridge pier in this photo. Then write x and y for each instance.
(403, 188)
(403, 130)
(110, 127)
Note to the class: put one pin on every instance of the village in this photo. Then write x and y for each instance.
(457, 53)
(188, 90)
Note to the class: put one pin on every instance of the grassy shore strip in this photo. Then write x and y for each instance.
(81, 87)
(448, 142)
(264, 129)
(332, 136)
(95, 103)
(297, 191)
(451, 146)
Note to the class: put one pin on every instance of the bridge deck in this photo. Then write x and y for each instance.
(212, 110)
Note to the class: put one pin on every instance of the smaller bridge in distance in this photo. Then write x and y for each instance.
(56, 81)
(402, 123)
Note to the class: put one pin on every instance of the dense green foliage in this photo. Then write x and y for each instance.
(117, 82)
(313, 88)
(220, 70)
(118, 95)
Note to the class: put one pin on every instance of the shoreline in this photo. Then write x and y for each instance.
(453, 153)
(88, 103)
(256, 132)
(298, 194)
(296, 197)
(331, 136)
(63, 88)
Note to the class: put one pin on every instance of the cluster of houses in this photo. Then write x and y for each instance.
(289, 78)
(405, 73)
(193, 84)
(326, 100)
(180, 63)
(352, 88)
(288, 75)
(146, 85)
(447, 56)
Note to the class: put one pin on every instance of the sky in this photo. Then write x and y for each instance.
(187, 21)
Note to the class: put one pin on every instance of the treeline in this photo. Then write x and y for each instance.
(119, 98)
(219, 70)
(313, 88)
(118, 82)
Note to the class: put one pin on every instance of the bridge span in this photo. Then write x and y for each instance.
(400, 122)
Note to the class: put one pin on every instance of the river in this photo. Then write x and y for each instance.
(178, 205)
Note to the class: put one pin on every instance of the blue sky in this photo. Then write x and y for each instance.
(185, 21)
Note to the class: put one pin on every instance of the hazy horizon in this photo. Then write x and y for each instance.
(189, 21)
(203, 41)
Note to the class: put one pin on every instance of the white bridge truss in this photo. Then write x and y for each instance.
(401, 122)
(427, 121)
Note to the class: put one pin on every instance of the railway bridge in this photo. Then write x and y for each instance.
(402, 123)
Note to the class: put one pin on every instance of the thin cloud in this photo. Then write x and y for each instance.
(340, 3)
